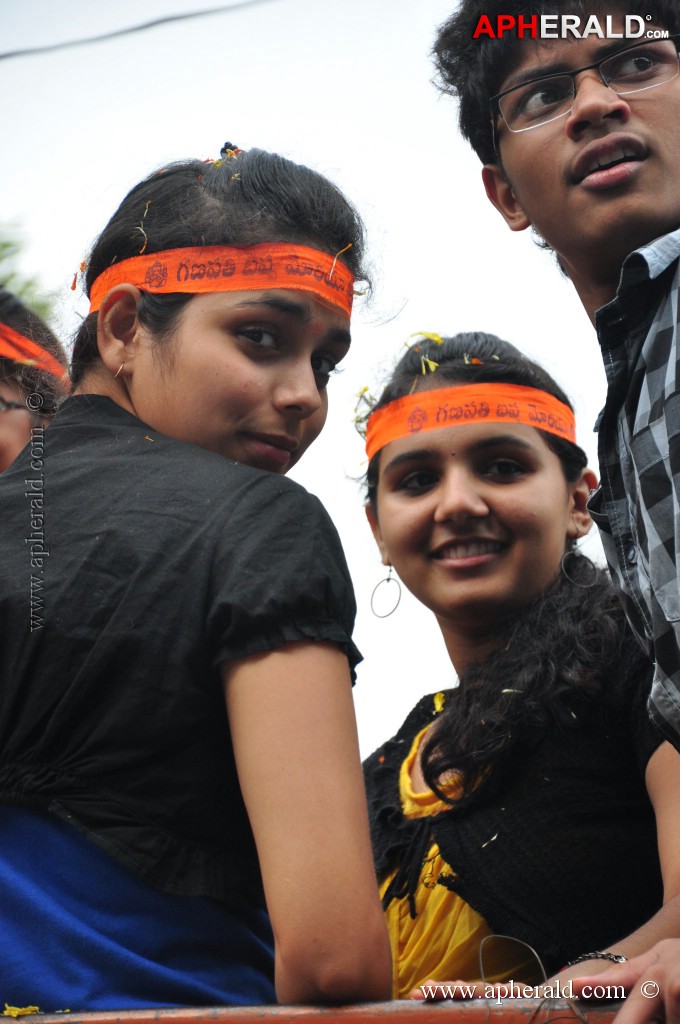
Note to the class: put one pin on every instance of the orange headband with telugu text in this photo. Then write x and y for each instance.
(459, 405)
(222, 268)
(22, 350)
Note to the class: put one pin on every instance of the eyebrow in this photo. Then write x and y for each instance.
(297, 311)
(561, 67)
(484, 444)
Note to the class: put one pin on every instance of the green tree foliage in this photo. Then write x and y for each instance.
(27, 288)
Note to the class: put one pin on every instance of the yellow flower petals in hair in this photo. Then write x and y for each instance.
(427, 364)
(363, 397)
(436, 338)
(439, 702)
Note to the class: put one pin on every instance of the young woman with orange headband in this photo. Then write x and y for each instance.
(33, 375)
(535, 799)
(182, 813)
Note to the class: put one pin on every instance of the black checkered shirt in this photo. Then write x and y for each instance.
(637, 506)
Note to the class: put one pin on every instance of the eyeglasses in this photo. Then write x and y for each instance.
(502, 957)
(633, 69)
(35, 414)
(5, 406)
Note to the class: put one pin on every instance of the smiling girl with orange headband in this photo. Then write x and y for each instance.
(180, 780)
(504, 805)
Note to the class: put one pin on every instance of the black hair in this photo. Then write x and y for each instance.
(554, 654)
(30, 379)
(473, 70)
(246, 198)
(471, 358)
(551, 664)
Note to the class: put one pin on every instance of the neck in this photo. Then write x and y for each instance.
(100, 382)
(595, 285)
(467, 644)
(595, 269)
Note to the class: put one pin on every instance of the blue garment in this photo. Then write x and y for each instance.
(80, 932)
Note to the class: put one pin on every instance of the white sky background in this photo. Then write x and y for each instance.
(345, 88)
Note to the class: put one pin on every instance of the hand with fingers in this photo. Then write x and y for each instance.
(651, 981)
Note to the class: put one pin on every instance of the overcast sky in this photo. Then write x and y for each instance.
(345, 88)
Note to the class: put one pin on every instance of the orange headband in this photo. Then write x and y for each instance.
(222, 268)
(459, 405)
(22, 350)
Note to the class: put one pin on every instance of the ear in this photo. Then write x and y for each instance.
(500, 193)
(580, 521)
(118, 329)
(377, 533)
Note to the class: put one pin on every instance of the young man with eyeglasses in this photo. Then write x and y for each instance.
(574, 110)
(580, 139)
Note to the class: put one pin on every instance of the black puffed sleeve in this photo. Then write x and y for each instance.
(279, 574)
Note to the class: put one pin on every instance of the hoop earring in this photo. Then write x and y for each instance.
(118, 371)
(388, 579)
(582, 560)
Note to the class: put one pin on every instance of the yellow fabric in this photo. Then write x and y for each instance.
(426, 803)
(442, 941)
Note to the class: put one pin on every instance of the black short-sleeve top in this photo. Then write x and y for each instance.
(131, 566)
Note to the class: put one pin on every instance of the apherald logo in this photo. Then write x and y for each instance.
(563, 26)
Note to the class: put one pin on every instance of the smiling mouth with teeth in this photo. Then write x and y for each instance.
(619, 156)
(469, 549)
